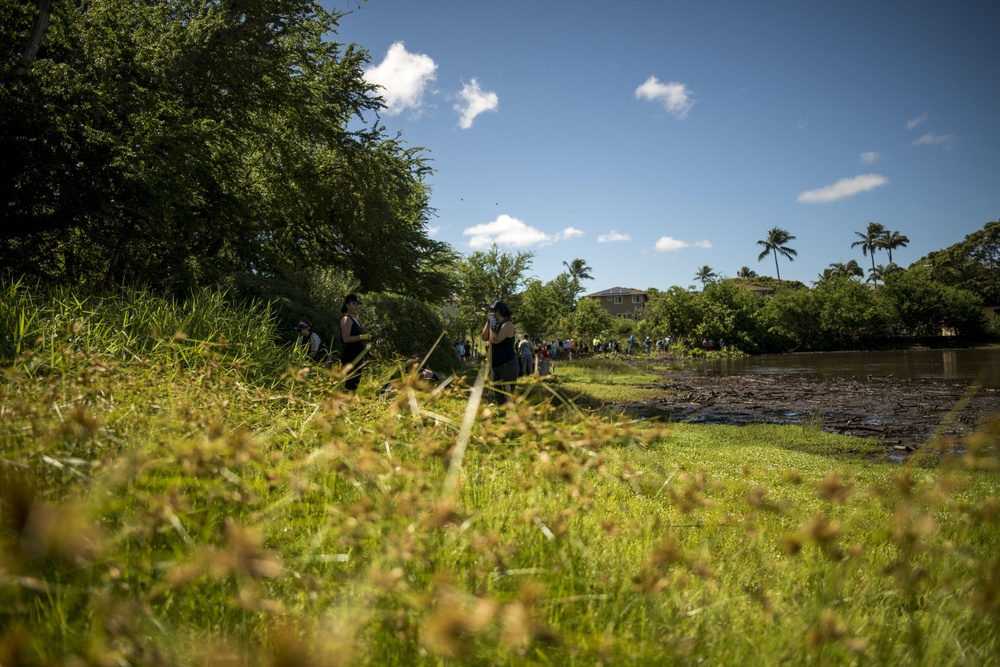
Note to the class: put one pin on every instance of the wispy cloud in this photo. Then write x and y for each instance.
(668, 244)
(511, 232)
(801, 125)
(404, 77)
(675, 97)
(434, 230)
(845, 187)
(613, 236)
(474, 102)
(931, 139)
(869, 156)
(913, 122)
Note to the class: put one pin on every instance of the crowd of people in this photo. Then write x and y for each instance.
(567, 349)
(509, 356)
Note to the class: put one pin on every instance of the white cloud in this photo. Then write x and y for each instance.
(474, 102)
(668, 244)
(845, 187)
(569, 233)
(675, 97)
(404, 78)
(434, 230)
(869, 156)
(801, 125)
(931, 139)
(910, 124)
(511, 232)
(612, 236)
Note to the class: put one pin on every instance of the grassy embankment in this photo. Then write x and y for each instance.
(192, 499)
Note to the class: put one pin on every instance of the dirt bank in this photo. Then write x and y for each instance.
(899, 413)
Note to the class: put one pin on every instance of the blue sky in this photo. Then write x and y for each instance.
(651, 138)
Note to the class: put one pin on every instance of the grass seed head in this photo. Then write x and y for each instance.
(834, 489)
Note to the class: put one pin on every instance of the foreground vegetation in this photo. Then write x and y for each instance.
(190, 497)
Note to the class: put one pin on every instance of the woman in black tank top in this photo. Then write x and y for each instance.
(499, 333)
(356, 341)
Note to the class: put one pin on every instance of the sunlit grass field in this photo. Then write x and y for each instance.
(199, 498)
(595, 382)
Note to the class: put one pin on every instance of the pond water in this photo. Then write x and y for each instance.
(956, 365)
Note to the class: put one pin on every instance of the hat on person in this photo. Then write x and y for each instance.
(501, 308)
(350, 298)
(303, 324)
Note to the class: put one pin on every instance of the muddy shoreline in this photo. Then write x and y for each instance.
(901, 414)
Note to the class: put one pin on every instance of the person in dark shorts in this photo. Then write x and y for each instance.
(356, 341)
(498, 332)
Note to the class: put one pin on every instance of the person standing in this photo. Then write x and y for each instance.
(498, 332)
(356, 341)
(526, 354)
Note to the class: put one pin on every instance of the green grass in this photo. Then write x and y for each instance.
(197, 511)
(605, 381)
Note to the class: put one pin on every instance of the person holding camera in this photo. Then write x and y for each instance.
(356, 341)
(498, 332)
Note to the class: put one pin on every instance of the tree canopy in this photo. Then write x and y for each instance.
(177, 142)
(972, 264)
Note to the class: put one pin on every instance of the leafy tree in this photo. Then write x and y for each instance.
(745, 272)
(870, 241)
(676, 311)
(791, 319)
(892, 240)
(403, 328)
(769, 282)
(177, 142)
(565, 289)
(880, 272)
(705, 274)
(539, 310)
(731, 313)
(925, 307)
(589, 320)
(972, 264)
(485, 276)
(849, 315)
(839, 313)
(775, 243)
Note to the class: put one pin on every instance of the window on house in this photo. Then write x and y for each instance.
(618, 299)
(610, 298)
(636, 298)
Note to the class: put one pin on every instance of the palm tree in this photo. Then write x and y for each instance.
(745, 272)
(705, 274)
(892, 240)
(578, 270)
(870, 241)
(775, 242)
(876, 273)
(848, 270)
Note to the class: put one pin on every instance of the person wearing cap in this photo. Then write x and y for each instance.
(499, 333)
(356, 341)
(308, 340)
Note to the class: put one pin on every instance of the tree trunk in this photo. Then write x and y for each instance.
(37, 35)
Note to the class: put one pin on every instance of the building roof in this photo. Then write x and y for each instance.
(617, 291)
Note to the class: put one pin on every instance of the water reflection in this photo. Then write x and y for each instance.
(962, 365)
